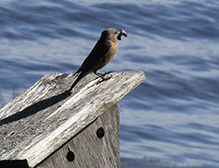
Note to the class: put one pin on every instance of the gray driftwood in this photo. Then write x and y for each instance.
(46, 121)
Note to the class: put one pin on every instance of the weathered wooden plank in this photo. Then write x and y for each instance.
(44, 117)
(88, 149)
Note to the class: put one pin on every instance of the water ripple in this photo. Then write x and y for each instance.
(172, 116)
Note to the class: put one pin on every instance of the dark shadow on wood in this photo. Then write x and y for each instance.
(13, 164)
(35, 108)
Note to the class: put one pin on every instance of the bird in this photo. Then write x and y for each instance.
(102, 53)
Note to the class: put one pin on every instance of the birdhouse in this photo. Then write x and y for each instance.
(47, 127)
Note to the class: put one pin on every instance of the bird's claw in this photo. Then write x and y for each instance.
(102, 76)
(104, 79)
(107, 73)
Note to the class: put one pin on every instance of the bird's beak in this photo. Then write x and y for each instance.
(121, 32)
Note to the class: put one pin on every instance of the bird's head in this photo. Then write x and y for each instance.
(112, 33)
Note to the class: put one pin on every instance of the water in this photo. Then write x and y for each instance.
(171, 119)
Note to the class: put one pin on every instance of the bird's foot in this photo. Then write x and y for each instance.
(102, 76)
(107, 73)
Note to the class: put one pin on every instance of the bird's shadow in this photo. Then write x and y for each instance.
(34, 108)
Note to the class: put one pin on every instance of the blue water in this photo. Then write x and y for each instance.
(171, 119)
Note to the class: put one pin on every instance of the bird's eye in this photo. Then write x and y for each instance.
(115, 32)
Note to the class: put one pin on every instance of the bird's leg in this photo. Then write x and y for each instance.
(102, 75)
(107, 73)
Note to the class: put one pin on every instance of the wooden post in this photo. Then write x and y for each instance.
(46, 127)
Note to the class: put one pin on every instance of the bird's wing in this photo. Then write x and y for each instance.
(96, 55)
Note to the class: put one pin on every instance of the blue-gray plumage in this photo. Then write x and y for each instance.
(101, 54)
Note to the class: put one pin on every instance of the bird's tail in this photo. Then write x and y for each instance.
(80, 76)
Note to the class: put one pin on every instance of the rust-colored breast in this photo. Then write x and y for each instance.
(112, 51)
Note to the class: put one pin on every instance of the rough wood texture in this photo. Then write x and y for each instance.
(44, 117)
(89, 150)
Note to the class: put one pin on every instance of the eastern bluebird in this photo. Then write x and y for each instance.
(101, 54)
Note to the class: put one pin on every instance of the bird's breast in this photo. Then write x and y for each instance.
(110, 54)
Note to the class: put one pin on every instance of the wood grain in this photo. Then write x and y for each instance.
(44, 117)
(88, 149)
